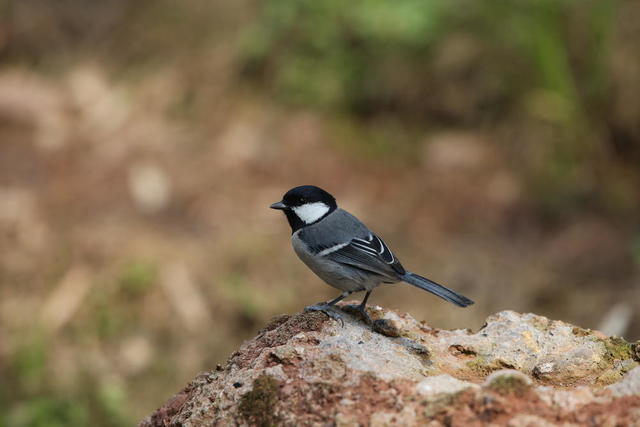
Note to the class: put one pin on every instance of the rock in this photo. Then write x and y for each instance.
(517, 370)
(525, 420)
(506, 381)
(439, 385)
(629, 385)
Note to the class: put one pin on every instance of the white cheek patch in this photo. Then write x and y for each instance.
(311, 212)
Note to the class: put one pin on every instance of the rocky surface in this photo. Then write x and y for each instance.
(517, 370)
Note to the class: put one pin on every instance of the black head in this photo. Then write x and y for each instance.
(305, 205)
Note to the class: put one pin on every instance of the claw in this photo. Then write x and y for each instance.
(360, 311)
(329, 310)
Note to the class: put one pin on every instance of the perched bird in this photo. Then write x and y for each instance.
(343, 252)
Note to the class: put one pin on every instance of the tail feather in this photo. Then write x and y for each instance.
(436, 289)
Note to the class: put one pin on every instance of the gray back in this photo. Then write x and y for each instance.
(337, 227)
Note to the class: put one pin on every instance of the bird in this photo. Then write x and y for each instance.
(343, 252)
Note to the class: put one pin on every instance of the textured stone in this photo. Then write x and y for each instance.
(629, 385)
(506, 381)
(442, 384)
(517, 370)
(526, 420)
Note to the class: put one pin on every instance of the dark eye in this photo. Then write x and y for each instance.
(301, 200)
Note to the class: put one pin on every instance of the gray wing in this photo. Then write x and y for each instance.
(370, 254)
(342, 238)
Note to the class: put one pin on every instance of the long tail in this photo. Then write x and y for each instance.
(435, 288)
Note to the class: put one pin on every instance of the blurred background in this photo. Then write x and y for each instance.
(494, 145)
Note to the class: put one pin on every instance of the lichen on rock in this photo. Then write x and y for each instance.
(508, 381)
(307, 369)
(258, 406)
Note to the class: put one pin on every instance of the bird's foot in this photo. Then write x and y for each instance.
(327, 309)
(358, 311)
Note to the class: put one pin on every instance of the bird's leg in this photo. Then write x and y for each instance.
(361, 309)
(340, 298)
(328, 307)
(363, 304)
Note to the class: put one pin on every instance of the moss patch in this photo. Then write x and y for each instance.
(481, 366)
(258, 406)
(617, 349)
(610, 376)
(618, 358)
(509, 384)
